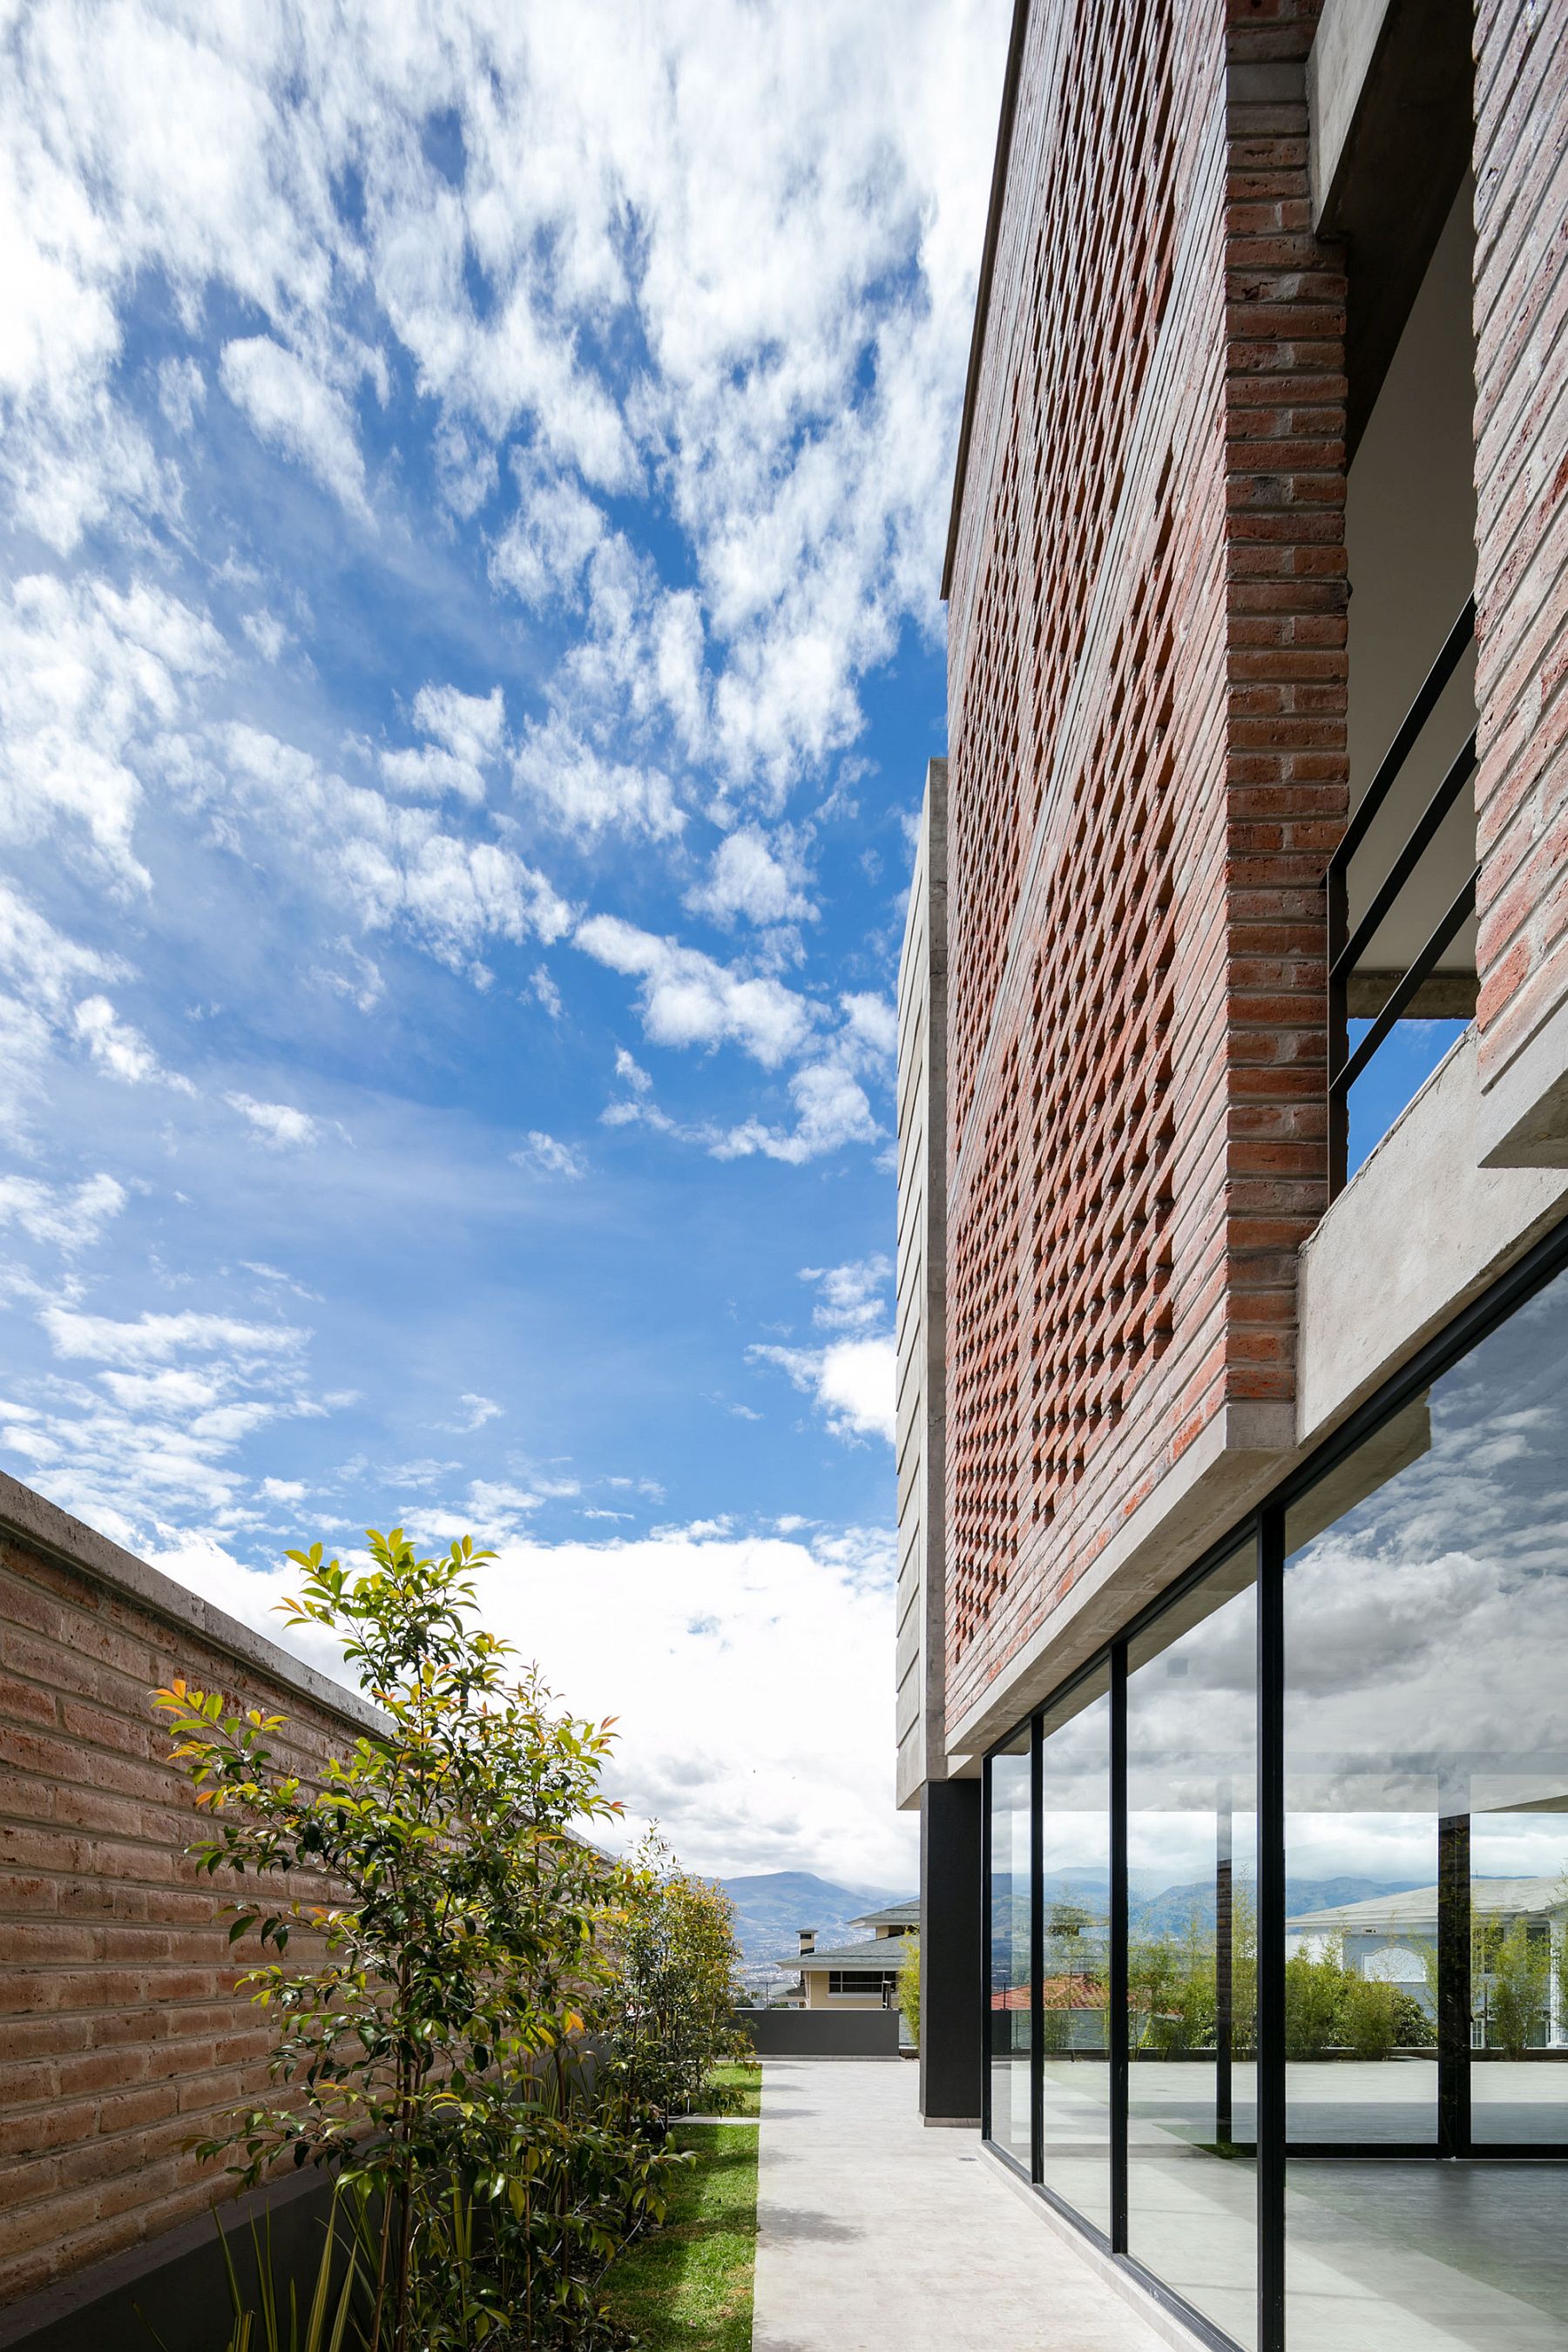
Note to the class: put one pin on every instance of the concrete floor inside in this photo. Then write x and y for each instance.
(1382, 2256)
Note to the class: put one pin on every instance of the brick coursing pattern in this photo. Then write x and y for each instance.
(1147, 766)
(121, 2032)
(1521, 474)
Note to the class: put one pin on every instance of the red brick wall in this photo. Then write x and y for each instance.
(1522, 472)
(1147, 771)
(121, 2034)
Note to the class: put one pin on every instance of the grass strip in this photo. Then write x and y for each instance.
(686, 2287)
(745, 2079)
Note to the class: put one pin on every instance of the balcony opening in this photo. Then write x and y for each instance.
(1401, 921)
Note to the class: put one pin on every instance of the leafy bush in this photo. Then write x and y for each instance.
(1314, 1995)
(677, 1955)
(1368, 2016)
(909, 1986)
(1517, 1995)
(430, 2047)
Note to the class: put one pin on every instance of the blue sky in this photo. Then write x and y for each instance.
(474, 483)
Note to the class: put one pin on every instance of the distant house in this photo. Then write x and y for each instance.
(1392, 1938)
(861, 1975)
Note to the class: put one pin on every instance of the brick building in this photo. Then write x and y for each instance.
(1233, 1455)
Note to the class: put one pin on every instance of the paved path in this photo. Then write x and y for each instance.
(876, 2235)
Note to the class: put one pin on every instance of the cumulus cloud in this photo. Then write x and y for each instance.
(468, 732)
(688, 998)
(773, 1647)
(752, 877)
(852, 1381)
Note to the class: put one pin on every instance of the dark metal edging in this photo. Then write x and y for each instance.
(1010, 81)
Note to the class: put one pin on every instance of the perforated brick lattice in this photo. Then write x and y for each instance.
(1056, 1303)
(1099, 272)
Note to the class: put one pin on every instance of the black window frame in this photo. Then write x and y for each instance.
(1264, 1527)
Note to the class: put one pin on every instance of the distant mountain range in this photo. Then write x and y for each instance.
(771, 1908)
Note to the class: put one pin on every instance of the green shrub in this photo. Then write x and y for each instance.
(909, 1986)
(428, 2048)
(677, 1956)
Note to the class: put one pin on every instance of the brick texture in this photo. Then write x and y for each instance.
(1147, 773)
(1522, 472)
(121, 2032)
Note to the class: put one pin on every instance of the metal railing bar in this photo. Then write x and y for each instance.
(1409, 857)
(1410, 727)
(1463, 904)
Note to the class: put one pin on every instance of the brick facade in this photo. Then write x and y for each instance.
(1521, 474)
(1147, 772)
(121, 2032)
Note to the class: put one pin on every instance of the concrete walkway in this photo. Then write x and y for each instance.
(876, 2235)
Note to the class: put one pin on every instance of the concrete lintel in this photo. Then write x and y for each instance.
(1522, 1114)
(1338, 66)
(43, 1526)
(1421, 1229)
(1229, 1465)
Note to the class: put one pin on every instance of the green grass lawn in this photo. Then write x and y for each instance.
(686, 2287)
(746, 2079)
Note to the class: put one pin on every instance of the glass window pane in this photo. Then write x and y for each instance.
(1426, 1792)
(1075, 1869)
(1191, 1946)
(1010, 2019)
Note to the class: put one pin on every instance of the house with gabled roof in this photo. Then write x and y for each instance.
(863, 1974)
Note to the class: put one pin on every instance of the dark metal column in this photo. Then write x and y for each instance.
(1117, 2016)
(1271, 1932)
(955, 2017)
(1224, 1966)
(1036, 1962)
(1454, 1984)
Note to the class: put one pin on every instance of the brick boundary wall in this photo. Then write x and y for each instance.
(1521, 474)
(121, 2033)
(1147, 678)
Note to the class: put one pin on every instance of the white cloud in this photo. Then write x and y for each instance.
(395, 864)
(476, 1410)
(290, 405)
(852, 1382)
(753, 878)
(280, 1126)
(775, 1649)
(688, 999)
(850, 1297)
(541, 554)
(119, 1049)
(267, 634)
(155, 1338)
(69, 1219)
(831, 1110)
(586, 793)
(92, 678)
(548, 1157)
(182, 392)
(469, 733)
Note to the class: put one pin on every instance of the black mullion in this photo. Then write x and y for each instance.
(1037, 1963)
(1118, 1985)
(1454, 1984)
(1270, 1932)
(986, 1922)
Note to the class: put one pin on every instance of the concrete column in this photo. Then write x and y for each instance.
(951, 1952)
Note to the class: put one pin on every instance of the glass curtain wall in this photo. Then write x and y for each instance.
(1279, 1980)
(1075, 1949)
(1426, 1639)
(1191, 1946)
(1011, 2021)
